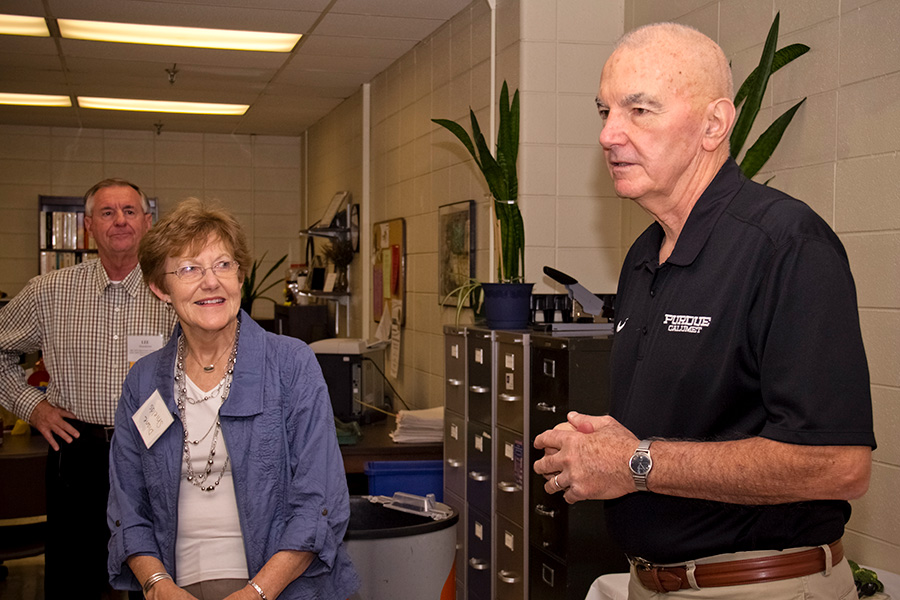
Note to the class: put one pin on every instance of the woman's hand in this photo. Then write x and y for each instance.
(167, 590)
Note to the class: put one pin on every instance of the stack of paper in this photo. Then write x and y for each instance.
(419, 426)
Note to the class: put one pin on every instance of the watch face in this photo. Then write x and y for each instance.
(640, 464)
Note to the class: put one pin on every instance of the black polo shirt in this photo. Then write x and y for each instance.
(750, 328)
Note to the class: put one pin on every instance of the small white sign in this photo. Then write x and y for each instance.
(152, 419)
(509, 540)
(479, 443)
(509, 452)
(479, 356)
(140, 346)
(479, 530)
(454, 431)
(511, 362)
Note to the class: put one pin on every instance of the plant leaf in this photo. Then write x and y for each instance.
(762, 149)
(754, 97)
(782, 58)
(461, 134)
(262, 281)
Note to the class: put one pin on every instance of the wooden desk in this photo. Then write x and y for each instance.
(376, 444)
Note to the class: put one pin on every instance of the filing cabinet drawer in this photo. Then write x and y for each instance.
(455, 453)
(478, 567)
(459, 505)
(478, 467)
(511, 551)
(511, 476)
(479, 351)
(512, 382)
(454, 371)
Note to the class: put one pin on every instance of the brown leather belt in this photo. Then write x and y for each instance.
(737, 572)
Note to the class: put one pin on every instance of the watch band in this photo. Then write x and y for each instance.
(640, 464)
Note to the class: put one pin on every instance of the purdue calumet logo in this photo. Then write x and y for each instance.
(686, 323)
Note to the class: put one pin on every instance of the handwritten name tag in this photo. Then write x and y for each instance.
(152, 418)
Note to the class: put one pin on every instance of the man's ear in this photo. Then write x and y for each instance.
(720, 115)
(160, 294)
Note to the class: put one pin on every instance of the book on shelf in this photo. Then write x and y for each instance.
(64, 230)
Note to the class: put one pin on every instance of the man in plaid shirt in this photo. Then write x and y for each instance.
(91, 322)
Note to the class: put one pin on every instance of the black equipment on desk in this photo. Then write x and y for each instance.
(353, 373)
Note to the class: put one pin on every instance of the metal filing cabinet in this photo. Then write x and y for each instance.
(568, 544)
(480, 395)
(511, 368)
(455, 442)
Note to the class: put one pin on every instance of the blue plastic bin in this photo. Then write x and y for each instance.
(420, 477)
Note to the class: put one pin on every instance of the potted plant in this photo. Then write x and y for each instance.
(251, 289)
(339, 253)
(507, 303)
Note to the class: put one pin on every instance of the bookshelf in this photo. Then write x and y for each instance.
(62, 239)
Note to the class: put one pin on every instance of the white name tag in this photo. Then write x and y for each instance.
(152, 418)
(140, 346)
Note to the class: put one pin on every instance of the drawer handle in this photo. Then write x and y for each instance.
(543, 511)
(509, 398)
(508, 576)
(476, 476)
(544, 407)
(478, 389)
(454, 382)
(454, 463)
(478, 564)
(505, 486)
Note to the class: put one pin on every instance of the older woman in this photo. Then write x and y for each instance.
(226, 477)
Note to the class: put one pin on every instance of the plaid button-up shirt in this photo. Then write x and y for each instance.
(82, 322)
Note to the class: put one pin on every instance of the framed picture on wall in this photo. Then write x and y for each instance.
(456, 248)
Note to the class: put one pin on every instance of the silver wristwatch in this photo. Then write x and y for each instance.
(640, 465)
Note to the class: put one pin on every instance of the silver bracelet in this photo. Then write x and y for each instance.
(153, 579)
(258, 589)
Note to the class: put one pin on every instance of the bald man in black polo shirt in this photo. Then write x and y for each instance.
(741, 419)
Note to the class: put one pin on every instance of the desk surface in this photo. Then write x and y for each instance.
(376, 444)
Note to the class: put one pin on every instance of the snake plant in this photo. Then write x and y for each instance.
(500, 174)
(750, 94)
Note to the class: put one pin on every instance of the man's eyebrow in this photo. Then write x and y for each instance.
(641, 98)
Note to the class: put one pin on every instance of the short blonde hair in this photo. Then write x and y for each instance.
(187, 230)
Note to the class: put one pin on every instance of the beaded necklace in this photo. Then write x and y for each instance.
(182, 400)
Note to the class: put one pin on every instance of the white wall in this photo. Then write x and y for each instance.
(256, 177)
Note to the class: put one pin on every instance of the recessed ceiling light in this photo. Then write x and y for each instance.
(34, 99)
(193, 37)
(19, 25)
(162, 106)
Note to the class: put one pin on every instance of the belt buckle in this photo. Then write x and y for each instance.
(108, 432)
(657, 579)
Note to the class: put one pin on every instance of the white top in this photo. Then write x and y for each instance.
(208, 543)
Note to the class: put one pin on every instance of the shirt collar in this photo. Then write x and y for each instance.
(132, 283)
(701, 220)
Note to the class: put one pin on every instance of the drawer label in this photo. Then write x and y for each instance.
(454, 350)
(510, 362)
(454, 431)
(510, 381)
(479, 356)
(509, 540)
(479, 443)
(479, 530)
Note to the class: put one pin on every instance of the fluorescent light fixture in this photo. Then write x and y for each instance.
(193, 37)
(34, 99)
(19, 25)
(163, 106)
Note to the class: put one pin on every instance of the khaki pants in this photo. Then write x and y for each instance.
(215, 589)
(838, 585)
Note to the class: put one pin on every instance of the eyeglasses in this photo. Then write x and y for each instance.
(192, 273)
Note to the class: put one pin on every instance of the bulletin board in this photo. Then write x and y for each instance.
(389, 268)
